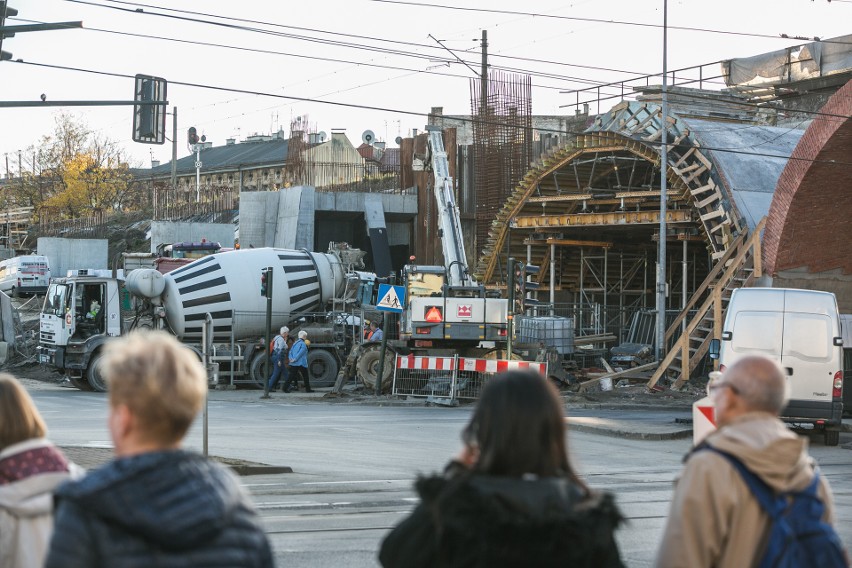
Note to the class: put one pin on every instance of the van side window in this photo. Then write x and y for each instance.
(758, 331)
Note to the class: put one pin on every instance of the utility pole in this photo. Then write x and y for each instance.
(483, 78)
(661, 255)
(174, 148)
(197, 173)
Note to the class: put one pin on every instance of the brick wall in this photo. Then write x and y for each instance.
(810, 219)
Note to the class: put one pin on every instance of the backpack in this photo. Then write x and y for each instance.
(798, 537)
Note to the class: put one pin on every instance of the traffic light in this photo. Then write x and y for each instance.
(266, 282)
(518, 287)
(5, 12)
(149, 120)
(524, 285)
(192, 135)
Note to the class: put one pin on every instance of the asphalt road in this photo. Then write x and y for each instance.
(353, 466)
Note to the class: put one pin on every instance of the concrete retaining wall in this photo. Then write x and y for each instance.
(71, 254)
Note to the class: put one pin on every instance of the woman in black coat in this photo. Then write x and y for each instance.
(511, 497)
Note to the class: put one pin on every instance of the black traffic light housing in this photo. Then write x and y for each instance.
(266, 282)
(523, 286)
(192, 135)
(5, 12)
(149, 110)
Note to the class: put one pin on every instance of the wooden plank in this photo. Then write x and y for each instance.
(615, 375)
(707, 187)
(712, 199)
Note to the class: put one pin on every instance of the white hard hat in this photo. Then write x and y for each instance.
(284, 330)
(303, 334)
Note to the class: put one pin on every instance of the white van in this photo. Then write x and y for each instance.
(801, 330)
(25, 275)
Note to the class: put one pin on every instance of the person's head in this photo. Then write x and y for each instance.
(156, 388)
(19, 417)
(303, 334)
(752, 384)
(518, 428)
(374, 326)
(284, 331)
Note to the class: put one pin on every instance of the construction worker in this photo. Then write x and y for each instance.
(375, 333)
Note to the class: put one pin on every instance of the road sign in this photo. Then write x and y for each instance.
(391, 298)
(198, 164)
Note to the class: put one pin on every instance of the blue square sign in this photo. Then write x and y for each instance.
(391, 298)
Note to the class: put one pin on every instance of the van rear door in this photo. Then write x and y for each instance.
(757, 326)
(808, 354)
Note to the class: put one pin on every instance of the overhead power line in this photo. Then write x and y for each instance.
(603, 21)
(355, 36)
(396, 111)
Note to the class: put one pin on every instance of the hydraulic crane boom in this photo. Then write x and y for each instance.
(449, 223)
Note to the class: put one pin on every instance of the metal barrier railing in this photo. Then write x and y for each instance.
(450, 378)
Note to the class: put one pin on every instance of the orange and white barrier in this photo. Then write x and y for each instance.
(451, 377)
(425, 363)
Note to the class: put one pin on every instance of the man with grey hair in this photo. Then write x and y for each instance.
(715, 519)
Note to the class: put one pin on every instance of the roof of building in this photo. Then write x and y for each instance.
(233, 156)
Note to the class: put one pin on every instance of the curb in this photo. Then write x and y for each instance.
(246, 470)
(629, 435)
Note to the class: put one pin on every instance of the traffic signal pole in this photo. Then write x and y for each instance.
(510, 312)
(266, 290)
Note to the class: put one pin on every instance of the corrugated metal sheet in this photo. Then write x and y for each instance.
(749, 158)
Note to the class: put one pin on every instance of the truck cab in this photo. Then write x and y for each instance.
(79, 314)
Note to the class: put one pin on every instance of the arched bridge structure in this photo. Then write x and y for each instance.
(807, 238)
(589, 214)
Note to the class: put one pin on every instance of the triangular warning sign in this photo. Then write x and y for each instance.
(433, 315)
(390, 300)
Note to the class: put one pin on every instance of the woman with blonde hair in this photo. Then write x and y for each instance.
(511, 498)
(30, 469)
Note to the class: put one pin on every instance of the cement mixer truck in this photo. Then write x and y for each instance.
(82, 311)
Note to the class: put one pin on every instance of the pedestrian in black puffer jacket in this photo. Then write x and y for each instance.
(155, 505)
(171, 508)
(511, 499)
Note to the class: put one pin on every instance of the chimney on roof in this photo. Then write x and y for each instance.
(230, 141)
(155, 163)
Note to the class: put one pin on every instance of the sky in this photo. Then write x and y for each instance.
(359, 65)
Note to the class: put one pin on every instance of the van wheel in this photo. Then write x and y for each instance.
(15, 293)
(94, 376)
(832, 437)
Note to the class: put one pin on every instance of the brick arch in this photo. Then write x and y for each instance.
(810, 218)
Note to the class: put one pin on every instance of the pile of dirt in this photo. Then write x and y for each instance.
(638, 395)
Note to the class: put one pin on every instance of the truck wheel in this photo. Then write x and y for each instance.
(81, 383)
(322, 368)
(832, 437)
(259, 370)
(368, 369)
(93, 375)
(15, 293)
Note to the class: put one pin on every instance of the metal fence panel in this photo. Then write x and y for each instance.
(453, 378)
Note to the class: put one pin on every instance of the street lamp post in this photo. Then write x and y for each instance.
(661, 255)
